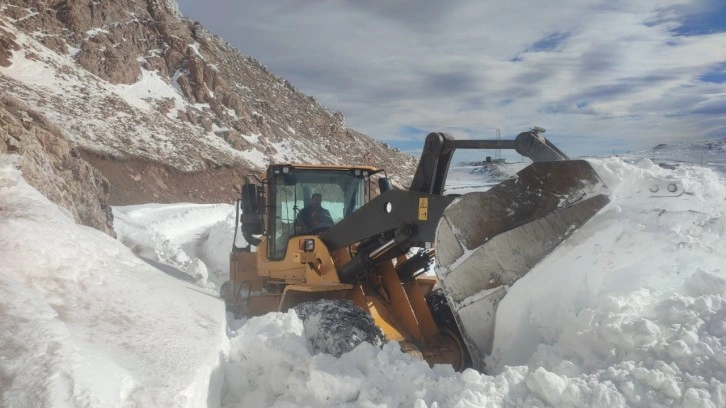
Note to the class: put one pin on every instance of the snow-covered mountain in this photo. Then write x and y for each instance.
(165, 110)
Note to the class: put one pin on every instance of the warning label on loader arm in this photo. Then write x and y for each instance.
(423, 209)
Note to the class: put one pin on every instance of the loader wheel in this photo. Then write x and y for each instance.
(444, 318)
(337, 326)
(440, 309)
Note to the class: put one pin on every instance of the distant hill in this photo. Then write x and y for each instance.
(710, 153)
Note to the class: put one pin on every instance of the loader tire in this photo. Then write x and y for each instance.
(335, 326)
(444, 318)
(440, 309)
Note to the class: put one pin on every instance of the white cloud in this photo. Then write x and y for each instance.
(475, 65)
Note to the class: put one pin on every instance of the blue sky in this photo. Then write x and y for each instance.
(602, 76)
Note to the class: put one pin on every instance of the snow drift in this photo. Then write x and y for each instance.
(86, 323)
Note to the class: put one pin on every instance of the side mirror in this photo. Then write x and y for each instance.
(251, 225)
(251, 197)
(251, 218)
(384, 184)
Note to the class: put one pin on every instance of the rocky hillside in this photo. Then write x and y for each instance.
(163, 109)
(52, 166)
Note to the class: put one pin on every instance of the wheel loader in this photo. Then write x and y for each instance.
(374, 250)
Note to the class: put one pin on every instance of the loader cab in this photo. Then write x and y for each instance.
(291, 187)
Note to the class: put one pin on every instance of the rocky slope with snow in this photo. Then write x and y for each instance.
(165, 110)
(52, 166)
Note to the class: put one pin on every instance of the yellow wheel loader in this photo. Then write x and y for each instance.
(359, 276)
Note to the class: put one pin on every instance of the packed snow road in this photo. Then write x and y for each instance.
(628, 312)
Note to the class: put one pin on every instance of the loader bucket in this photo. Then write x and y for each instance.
(486, 241)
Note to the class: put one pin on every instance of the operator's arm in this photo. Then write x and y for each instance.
(325, 217)
(301, 223)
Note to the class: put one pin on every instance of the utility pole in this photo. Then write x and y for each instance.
(499, 151)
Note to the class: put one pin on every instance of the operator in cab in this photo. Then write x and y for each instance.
(314, 217)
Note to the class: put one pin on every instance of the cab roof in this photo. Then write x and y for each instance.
(307, 166)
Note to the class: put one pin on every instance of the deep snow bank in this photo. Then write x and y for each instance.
(194, 238)
(634, 299)
(84, 322)
(628, 312)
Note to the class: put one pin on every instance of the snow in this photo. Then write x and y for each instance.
(195, 47)
(468, 177)
(87, 323)
(94, 32)
(164, 234)
(630, 311)
(149, 88)
(257, 158)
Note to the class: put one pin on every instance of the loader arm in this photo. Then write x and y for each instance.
(433, 167)
(397, 220)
